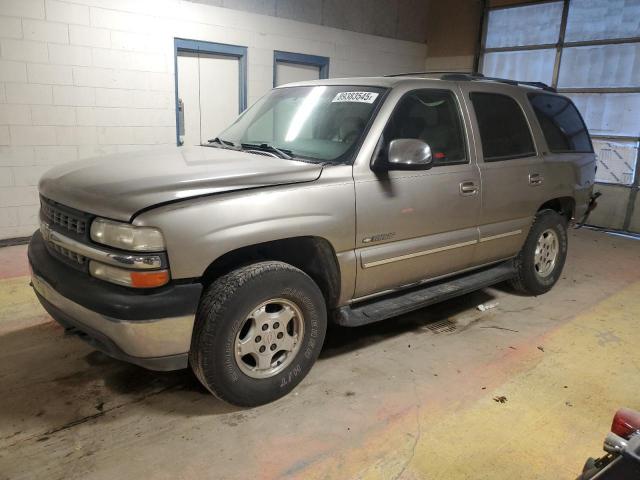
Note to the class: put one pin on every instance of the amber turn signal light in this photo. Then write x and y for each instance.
(129, 278)
(149, 279)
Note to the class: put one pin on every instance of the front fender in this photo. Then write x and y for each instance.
(198, 231)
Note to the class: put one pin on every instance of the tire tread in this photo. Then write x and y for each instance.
(212, 307)
(519, 283)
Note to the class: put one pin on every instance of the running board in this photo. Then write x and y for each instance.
(415, 298)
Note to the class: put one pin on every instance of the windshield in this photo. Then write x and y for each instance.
(321, 123)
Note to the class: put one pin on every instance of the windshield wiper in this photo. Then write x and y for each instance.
(286, 154)
(219, 143)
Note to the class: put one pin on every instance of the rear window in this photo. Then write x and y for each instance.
(561, 124)
(503, 128)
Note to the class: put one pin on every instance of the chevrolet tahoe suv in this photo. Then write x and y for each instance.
(350, 200)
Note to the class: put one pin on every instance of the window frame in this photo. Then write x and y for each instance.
(527, 122)
(463, 127)
(531, 95)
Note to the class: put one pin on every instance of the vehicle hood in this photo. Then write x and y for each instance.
(117, 186)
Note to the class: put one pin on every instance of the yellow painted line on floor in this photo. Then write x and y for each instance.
(558, 409)
(19, 307)
(15, 290)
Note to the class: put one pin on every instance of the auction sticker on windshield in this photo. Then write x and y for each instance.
(360, 97)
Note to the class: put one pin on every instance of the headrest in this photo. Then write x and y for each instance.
(429, 114)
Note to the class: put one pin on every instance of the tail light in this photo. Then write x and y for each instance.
(626, 422)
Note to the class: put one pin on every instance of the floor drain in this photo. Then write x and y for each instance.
(442, 326)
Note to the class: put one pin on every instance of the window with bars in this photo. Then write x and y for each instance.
(590, 51)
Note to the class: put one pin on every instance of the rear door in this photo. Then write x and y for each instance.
(513, 173)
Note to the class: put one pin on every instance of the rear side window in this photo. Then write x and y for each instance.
(431, 116)
(503, 128)
(561, 123)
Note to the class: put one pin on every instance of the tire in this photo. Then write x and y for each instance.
(231, 316)
(536, 275)
(589, 470)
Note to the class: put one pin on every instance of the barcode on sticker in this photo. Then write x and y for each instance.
(361, 97)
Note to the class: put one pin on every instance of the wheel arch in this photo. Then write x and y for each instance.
(313, 255)
(565, 206)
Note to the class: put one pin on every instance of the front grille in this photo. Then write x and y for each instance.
(70, 223)
(68, 254)
(63, 218)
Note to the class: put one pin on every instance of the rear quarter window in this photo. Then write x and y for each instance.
(504, 131)
(561, 123)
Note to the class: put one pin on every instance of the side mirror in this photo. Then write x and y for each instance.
(409, 154)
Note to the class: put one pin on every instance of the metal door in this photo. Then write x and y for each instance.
(295, 72)
(208, 88)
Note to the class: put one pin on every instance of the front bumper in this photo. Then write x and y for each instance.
(148, 328)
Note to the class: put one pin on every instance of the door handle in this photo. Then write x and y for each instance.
(535, 179)
(180, 121)
(468, 188)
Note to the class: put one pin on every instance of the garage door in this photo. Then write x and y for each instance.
(590, 51)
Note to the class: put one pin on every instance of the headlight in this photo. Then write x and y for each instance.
(126, 236)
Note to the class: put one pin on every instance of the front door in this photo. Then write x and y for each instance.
(420, 224)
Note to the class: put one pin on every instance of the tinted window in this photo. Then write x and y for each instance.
(503, 128)
(432, 116)
(561, 123)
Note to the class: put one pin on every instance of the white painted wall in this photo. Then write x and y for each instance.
(81, 78)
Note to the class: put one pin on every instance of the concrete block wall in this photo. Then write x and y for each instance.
(82, 78)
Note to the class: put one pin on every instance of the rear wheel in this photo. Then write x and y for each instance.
(540, 262)
(258, 331)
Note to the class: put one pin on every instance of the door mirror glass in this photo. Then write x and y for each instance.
(409, 154)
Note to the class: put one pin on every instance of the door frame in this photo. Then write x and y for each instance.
(300, 59)
(199, 46)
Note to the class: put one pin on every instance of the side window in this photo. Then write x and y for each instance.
(561, 124)
(503, 128)
(432, 116)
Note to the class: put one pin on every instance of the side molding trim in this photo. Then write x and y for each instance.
(419, 254)
(439, 249)
(501, 235)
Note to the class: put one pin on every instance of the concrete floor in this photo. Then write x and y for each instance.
(412, 398)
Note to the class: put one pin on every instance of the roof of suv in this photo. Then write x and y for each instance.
(391, 81)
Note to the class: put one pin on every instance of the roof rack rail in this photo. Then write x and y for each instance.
(471, 76)
(479, 76)
(432, 72)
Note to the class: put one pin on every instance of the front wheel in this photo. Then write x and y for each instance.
(258, 331)
(540, 262)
